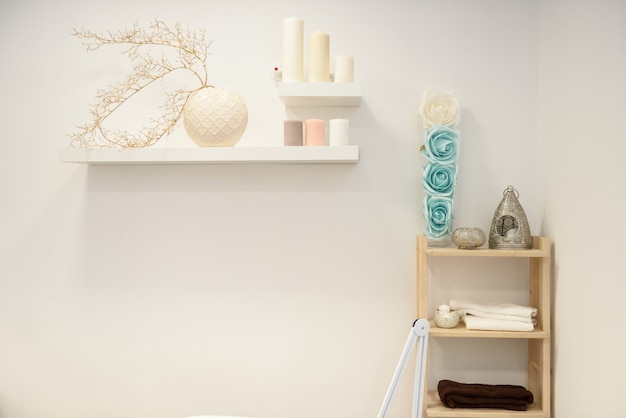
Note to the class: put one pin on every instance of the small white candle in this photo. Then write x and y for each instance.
(444, 308)
(344, 68)
(339, 132)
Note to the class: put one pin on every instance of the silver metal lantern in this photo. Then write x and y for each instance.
(509, 227)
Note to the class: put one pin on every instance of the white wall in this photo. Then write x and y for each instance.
(267, 290)
(582, 147)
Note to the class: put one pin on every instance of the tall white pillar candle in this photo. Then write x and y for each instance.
(339, 132)
(293, 50)
(344, 68)
(319, 57)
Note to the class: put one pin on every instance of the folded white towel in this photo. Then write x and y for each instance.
(490, 315)
(526, 312)
(488, 324)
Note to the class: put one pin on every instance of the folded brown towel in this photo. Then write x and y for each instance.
(479, 395)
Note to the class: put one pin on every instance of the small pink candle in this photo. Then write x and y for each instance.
(314, 132)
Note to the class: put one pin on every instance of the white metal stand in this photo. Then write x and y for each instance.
(419, 331)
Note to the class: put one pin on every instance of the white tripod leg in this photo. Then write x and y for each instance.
(419, 331)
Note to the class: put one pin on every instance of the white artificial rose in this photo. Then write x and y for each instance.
(439, 108)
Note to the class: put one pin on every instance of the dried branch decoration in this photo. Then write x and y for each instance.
(190, 54)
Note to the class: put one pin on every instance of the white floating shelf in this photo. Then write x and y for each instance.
(320, 94)
(212, 155)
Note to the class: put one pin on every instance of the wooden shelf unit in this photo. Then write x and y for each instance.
(539, 343)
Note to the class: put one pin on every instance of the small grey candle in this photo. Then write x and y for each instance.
(293, 132)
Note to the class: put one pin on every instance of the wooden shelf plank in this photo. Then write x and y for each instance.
(211, 155)
(461, 332)
(435, 409)
(535, 252)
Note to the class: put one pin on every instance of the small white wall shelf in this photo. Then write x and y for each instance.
(292, 94)
(320, 94)
(211, 155)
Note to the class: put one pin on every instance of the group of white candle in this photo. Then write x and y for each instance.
(319, 56)
(313, 132)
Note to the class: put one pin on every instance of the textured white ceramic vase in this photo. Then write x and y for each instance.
(215, 117)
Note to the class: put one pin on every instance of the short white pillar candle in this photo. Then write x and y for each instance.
(344, 69)
(339, 132)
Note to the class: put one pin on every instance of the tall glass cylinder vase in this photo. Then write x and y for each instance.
(440, 113)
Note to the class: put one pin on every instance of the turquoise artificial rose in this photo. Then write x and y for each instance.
(438, 214)
(441, 144)
(439, 179)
